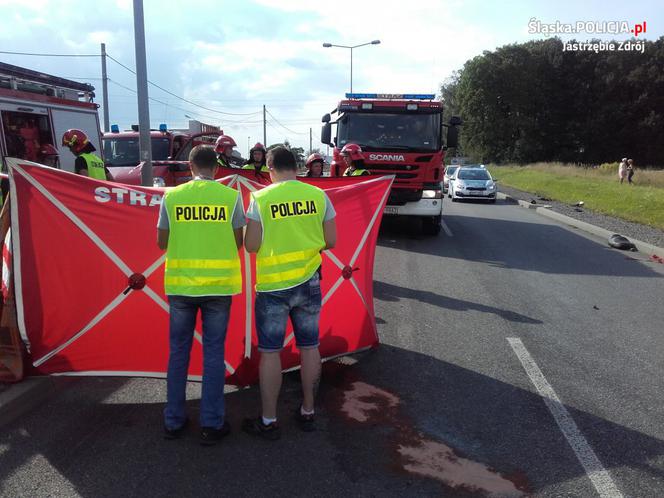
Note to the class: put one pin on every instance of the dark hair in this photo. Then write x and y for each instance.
(358, 163)
(282, 159)
(203, 156)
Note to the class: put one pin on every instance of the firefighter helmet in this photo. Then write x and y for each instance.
(222, 142)
(258, 146)
(75, 139)
(354, 151)
(313, 158)
(48, 150)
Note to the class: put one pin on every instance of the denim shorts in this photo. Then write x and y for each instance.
(301, 303)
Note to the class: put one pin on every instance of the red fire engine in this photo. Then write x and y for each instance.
(121, 152)
(401, 135)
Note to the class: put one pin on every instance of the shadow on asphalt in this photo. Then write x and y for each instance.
(396, 423)
(391, 292)
(535, 247)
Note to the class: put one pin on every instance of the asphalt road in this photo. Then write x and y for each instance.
(447, 406)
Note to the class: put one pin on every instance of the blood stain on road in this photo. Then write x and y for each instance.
(363, 399)
(413, 452)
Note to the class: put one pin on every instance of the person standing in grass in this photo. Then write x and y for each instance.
(630, 171)
(622, 169)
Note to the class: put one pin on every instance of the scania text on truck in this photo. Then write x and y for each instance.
(400, 134)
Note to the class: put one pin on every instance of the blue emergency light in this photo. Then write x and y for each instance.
(163, 128)
(115, 128)
(405, 96)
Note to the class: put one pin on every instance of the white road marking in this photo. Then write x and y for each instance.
(446, 229)
(594, 469)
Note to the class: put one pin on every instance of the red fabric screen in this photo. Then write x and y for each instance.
(77, 242)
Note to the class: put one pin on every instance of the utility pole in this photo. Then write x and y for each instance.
(104, 88)
(264, 128)
(351, 69)
(145, 146)
(310, 143)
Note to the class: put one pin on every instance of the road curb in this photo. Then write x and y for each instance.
(643, 247)
(23, 396)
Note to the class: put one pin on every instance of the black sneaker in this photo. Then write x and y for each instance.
(256, 427)
(211, 436)
(176, 433)
(305, 422)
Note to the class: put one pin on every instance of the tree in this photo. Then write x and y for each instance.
(536, 102)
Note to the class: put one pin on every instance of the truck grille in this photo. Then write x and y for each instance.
(399, 197)
(400, 171)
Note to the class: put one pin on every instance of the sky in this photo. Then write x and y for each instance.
(233, 57)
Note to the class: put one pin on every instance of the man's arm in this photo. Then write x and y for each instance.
(162, 239)
(329, 224)
(81, 167)
(253, 236)
(330, 233)
(163, 227)
(238, 237)
(239, 221)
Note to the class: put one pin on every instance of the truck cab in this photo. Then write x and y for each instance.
(170, 152)
(400, 135)
(37, 108)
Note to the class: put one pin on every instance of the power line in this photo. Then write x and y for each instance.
(49, 55)
(188, 111)
(285, 127)
(182, 98)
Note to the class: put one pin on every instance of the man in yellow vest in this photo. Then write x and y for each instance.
(354, 160)
(289, 224)
(200, 227)
(87, 163)
(257, 160)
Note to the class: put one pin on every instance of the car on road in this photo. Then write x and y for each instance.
(472, 182)
(449, 172)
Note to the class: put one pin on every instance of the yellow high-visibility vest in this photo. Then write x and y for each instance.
(263, 169)
(356, 172)
(292, 214)
(95, 166)
(202, 257)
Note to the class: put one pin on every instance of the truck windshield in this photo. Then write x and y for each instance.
(123, 151)
(382, 131)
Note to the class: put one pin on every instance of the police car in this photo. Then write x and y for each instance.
(472, 182)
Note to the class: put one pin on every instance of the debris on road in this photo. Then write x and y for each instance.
(617, 241)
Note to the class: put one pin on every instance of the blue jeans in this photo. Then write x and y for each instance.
(302, 303)
(215, 312)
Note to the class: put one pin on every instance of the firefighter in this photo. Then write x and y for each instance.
(87, 163)
(200, 227)
(352, 156)
(224, 149)
(49, 156)
(256, 159)
(289, 224)
(315, 164)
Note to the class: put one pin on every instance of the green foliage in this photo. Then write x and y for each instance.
(533, 102)
(609, 168)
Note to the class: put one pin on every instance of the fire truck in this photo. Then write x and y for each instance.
(37, 108)
(170, 147)
(401, 135)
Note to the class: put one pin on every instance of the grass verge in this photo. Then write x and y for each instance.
(642, 203)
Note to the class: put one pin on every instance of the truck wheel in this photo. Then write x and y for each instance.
(431, 226)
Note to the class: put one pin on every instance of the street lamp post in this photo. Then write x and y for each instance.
(328, 45)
